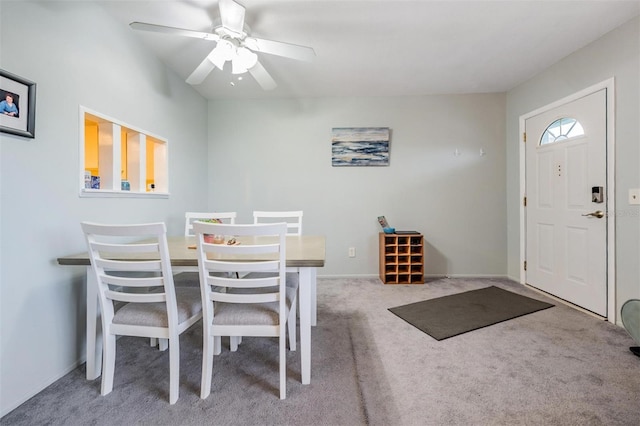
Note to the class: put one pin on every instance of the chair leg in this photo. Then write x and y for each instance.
(233, 343)
(174, 368)
(163, 344)
(217, 345)
(292, 327)
(109, 363)
(207, 364)
(283, 365)
(153, 342)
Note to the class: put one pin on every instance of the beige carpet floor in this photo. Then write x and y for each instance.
(558, 366)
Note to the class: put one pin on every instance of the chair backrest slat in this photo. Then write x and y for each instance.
(127, 265)
(119, 296)
(293, 218)
(230, 282)
(139, 282)
(128, 248)
(223, 266)
(239, 249)
(244, 298)
(190, 217)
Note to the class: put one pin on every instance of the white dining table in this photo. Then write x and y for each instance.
(305, 253)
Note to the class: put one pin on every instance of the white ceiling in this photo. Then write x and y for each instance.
(384, 47)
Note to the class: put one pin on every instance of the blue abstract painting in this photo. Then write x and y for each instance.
(360, 146)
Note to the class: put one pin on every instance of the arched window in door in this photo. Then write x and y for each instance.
(561, 130)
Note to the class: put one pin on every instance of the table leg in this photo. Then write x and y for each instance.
(94, 329)
(305, 323)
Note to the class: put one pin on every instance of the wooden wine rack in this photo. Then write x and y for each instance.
(401, 258)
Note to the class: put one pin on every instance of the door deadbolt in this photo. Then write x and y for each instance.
(597, 194)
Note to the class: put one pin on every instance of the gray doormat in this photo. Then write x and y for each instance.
(452, 315)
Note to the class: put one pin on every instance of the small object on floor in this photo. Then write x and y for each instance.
(630, 314)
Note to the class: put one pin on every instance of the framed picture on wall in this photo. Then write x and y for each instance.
(359, 146)
(17, 105)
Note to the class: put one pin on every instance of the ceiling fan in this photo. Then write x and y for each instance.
(234, 44)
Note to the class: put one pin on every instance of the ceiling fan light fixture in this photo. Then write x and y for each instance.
(243, 60)
(217, 60)
(223, 52)
(236, 67)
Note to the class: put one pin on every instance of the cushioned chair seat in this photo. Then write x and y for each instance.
(188, 300)
(264, 313)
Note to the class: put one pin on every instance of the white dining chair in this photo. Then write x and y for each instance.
(190, 217)
(191, 279)
(293, 219)
(136, 292)
(294, 227)
(260, 306)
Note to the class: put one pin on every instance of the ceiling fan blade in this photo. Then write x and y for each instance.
(232, 15)
(201, 72)
(174, 31)
(262, 77)
(287, 50)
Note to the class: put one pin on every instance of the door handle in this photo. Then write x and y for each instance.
(598, 213)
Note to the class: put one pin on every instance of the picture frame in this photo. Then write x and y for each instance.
(17, 105)
(359, 146)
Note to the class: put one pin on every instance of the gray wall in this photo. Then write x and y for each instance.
(276, 155)
(77, 56)
(617, 55)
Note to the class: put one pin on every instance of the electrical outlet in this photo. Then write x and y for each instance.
(634, 196)
(352, 252)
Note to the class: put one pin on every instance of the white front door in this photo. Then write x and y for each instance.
(566, 222)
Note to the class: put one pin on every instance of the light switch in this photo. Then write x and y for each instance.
(634, 196)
